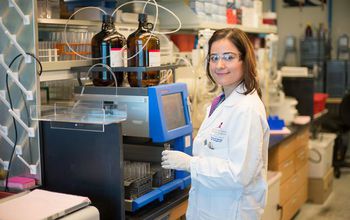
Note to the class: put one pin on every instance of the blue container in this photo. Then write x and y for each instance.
(275, 123)
(71, 4)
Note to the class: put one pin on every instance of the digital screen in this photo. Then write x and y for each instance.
(174, 111)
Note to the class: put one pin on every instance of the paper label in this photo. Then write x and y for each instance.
(188, 141)
(116, 56)
(154, 57)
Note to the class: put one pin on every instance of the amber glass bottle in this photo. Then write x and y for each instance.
(149, 56)
(108, 44)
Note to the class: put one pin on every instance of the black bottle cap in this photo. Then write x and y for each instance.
(142, 18)
(107, 19)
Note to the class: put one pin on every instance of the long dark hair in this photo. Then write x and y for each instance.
(245, 47)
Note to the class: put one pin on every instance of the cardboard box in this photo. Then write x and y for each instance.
(320, 188)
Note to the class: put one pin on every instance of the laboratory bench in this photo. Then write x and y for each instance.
(288, 154)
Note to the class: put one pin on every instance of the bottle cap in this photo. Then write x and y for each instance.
(142, 18)
(107, 19)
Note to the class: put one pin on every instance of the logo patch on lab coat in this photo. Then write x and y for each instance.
(216, 139)
(218, 134)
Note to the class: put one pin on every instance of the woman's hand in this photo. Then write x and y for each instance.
(177, 160)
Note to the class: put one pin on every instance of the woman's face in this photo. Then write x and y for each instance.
(225, 64)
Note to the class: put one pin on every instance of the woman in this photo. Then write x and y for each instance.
(229, 163)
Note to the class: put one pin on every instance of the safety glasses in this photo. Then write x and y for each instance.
(228, 57)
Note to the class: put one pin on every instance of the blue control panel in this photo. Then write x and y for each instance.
(169, 122)
(169, 116)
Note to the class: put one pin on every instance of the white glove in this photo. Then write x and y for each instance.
(177, 160)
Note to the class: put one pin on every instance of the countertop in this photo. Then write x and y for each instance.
(276, 139)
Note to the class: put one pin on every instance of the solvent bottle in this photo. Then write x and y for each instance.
(148, 56)
(107, 45)
(308, 31)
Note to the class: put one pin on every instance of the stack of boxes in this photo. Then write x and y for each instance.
(320, 167)
(210, 10)
(244, 12)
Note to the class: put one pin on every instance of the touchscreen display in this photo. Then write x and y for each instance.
(174, 111)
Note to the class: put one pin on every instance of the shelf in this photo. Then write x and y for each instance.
(60, 70)
(125, 69)
(320, 114)
(190, 21)
(46, 22)
(333, 100)
(262, 29)
(62, 22)
(64, 65)
(139, 70)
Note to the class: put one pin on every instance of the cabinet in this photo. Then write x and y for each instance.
(290, 158)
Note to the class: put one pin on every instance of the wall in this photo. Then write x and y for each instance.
(341, 17)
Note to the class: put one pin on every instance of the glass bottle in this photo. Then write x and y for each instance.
(107, 45)
(308, 31)
(149, 56)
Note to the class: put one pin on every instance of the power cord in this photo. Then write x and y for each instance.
(14, 121)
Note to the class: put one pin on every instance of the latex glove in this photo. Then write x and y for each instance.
(177, 160)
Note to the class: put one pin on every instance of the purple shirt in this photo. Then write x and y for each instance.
(216, 102)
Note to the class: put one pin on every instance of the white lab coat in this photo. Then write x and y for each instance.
(229, 169)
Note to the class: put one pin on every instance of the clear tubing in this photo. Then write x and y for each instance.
(110, 71)
(123, 49)
(65, 33)
(157, 5)
(154, 26)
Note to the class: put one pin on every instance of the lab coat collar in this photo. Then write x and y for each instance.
(236, 95)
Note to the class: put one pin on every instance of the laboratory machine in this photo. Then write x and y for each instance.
(117, 163)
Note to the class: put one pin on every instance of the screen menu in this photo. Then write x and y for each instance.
(174, 111)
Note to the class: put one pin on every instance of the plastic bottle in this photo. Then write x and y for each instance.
(149, 56)
(321, 32)
(308, 31)
(108, 44)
